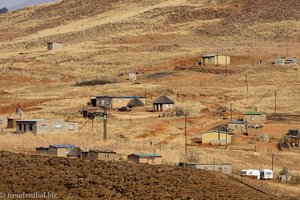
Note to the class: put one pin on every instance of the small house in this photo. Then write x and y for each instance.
(237, 127)
(151, 159)
(54, 45)
(40, 126)
(11, 123)
(63, 150)
(42, 151)
(216, 137)
(114, 102)
(285, 61)
(162, 103)
(255, 119)
(212, 59)
(3, 123)
(224, 168)
(103, 155)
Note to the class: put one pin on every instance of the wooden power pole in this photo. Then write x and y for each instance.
(185, 134)
(275, 103)
(247, 83)
(105, 124)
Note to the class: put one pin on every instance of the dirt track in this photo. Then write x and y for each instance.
(79, 179)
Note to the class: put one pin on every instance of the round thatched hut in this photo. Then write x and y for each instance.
(162, 103)
(135, 103)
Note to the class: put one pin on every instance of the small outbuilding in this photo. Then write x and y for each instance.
(216, 137)
(162, 103)
(103, 155)
(255, 119)
(224, 168)
(212, 59)
(151, 159)
(285, 61)
(11, 122)
(64, 150)
(41, 151)
(3, 123)
(237, 127)
(54, 45)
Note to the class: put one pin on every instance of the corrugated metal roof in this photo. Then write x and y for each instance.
(30, 120)
(217, 131)
(121, 97)
(208, 55)
(67, 146)
(142, 155)
(253, 113)
(236, 122)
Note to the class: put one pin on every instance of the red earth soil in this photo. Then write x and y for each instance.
(83, 179)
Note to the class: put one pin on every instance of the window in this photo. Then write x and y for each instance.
(71, 126)
(57, 126)
(20, 127)
(44, 126)
(30, 127)
(268, 173)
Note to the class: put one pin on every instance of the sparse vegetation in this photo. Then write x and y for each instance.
(94, 82)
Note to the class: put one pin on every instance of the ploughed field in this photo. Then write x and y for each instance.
(82, 179)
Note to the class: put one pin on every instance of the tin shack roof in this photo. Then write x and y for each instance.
(253, 113)
(142, 155)
(67, 146)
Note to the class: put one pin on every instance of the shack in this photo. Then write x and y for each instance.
(255, 119)
(41, 151)
(41, 126)
(212, 59)
(104, 155)
(64, 150)
(3, 123)
(285, 61)
(114, 102)
(237, 127)
(162, 103)
(151, 159)
(54, 45)
(216, 137)
(11, 122)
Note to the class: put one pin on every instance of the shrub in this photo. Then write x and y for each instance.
(98, 81)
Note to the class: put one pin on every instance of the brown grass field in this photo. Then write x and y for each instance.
(103, 39)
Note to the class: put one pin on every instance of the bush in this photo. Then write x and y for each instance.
(176, 112)
(3, 10)
(99, 81)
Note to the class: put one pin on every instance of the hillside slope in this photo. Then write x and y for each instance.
(78, 179)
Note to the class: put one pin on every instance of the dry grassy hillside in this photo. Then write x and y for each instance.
(161, 40)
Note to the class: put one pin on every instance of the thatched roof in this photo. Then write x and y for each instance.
(163, 100)
(135, 103)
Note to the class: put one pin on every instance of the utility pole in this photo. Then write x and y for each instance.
(272, 161)
(226, 65)
(230, 111)
(185, 134)
(275, 108)
(105, 124)
(247, 83)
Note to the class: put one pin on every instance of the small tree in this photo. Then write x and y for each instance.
(3, 10)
